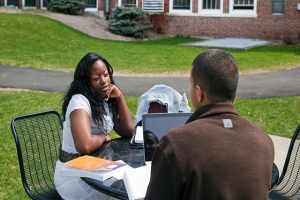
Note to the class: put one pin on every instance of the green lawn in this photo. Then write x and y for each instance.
(38, 42)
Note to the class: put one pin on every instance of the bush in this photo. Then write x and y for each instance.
(71, 7)
(129, 21)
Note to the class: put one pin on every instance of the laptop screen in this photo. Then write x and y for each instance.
(155, 125)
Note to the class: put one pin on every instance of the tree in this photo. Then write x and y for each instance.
(129, 21)
(71, 7)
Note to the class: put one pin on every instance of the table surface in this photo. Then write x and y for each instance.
(119, 149)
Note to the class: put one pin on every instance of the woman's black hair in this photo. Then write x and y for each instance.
(81, 85)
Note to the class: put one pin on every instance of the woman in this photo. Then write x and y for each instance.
(92, 107)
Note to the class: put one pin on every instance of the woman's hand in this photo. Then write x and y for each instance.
(123, 123)
(85, 142)
(113, 92)
(107, 138)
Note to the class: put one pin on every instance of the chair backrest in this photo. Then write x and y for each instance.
(288, 186)
(38, 138)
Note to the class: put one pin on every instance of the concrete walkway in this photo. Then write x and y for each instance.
(232, 43)
(265, 85)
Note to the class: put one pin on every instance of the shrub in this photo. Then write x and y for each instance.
(129, 21)
(71, 7)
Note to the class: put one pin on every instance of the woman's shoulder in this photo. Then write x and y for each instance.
(79, 98)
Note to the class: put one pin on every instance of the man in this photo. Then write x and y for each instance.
(216, 154)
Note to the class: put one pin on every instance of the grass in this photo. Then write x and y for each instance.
(38, 42)
(272, 115)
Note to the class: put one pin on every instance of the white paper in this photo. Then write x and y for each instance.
(136, 181)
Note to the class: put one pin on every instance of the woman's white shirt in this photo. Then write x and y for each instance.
(79, 101)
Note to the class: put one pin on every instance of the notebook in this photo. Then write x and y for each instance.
(155, 125)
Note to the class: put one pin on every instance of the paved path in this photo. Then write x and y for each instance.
(275, 84)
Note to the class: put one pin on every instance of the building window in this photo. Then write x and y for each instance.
(90, 5)
(277, 7)
(128, 3)
(45, 3)
(12, 2)
(210, 4)
(153, 6)
(30, 3)
(210, 7)
(243, 8)
(243, 5)
(180, 7)
(181, 4)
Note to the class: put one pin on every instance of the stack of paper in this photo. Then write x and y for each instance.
(93, 167)
(136, 181)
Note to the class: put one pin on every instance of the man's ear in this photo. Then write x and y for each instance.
(199, 93)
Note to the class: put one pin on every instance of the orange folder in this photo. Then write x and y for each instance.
(93, 163)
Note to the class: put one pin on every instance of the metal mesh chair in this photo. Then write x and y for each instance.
(288, 186)
(38, 138)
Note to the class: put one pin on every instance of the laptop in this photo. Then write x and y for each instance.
(155, 125)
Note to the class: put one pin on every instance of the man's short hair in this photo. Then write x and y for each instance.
(216, 72)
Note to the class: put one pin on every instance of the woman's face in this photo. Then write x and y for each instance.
(99, 78)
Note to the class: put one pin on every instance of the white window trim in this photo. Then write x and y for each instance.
(273, 9)
(42, 5)
(120, 2)
(27, 7)
(92, 9)
(212, 15)
(212, 12)
(209, 12)
(180, 11)
(243, 12)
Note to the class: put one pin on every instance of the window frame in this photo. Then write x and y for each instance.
(242, 12)
(172, 10)
(30, 6)
(92, 9)
(120, 3)
(282, 7)
(201, 10)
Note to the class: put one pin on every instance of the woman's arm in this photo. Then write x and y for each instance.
(85, 142)
(123, 124)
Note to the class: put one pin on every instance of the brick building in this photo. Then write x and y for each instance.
(256, 19)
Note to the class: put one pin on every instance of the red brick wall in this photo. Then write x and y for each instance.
(38, 4)
(166, 6)
(226, 6)
(101, 5)
(113, 4)
(264, 26)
